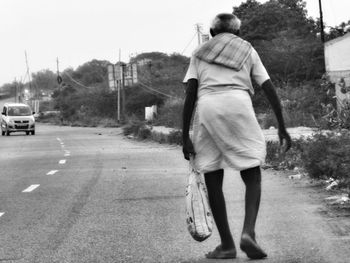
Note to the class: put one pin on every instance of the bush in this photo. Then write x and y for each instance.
(132, 127)
(267, 120)
(138, 129)
(289, 160)
(175, 137)
(49, 117)
(328, 155)
(322, 156)
(334, 118)
(301, 105)
(159, 137)
(108, 122)
(46, 106)
(170, 114)
(137, 99)
(144, 132)
(292, 118)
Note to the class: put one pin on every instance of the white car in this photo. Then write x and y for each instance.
(17, 117)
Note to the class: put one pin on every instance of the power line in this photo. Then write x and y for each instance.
(164, 94)
(156, 91)
(75, 81)
(195, 34)
(147, 90)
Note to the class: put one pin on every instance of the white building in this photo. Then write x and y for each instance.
(337, 59)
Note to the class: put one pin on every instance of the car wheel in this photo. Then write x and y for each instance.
(33, 132)
(27, 132)
(2, 133)
(7, 133)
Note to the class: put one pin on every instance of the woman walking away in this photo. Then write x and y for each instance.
(226, 133)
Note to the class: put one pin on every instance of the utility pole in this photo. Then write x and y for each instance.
(16, 90)
(119, 87)
(123, 91)
(57, 66)
(28, 72)
(59, 81)
(198, 29)
(59, 78)
(321, 22)
(122, 87)
(118, 100)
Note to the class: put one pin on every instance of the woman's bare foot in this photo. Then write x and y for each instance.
(251, 248)
(219, 253)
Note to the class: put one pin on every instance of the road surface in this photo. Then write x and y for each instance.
(72, 194)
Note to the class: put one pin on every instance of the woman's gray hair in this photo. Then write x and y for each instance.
(225, 23)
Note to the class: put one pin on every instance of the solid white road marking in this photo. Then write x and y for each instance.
(52, 172)
(30, 188)
(62, 162)
(1, 214)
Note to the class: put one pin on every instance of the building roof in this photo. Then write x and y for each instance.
(338, 39)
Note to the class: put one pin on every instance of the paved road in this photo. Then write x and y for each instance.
(119, 200)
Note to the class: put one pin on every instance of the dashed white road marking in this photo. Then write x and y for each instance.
(62, 162)
(58, 139)
(66, 154)
(52, 172)
(31, 188)
(1, 214)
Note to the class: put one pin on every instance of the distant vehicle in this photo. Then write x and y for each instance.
(17, 117)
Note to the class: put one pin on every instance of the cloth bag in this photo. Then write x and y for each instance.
(199, 218)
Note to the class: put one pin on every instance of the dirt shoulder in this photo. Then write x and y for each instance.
(335, 212)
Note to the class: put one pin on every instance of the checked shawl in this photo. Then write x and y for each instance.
(225, 49)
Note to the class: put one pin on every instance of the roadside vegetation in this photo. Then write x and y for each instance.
(325, 156)
(290, 47)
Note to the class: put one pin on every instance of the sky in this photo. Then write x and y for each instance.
(77, 31)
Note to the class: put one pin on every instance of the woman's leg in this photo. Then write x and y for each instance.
(213, 181)
(252, 180)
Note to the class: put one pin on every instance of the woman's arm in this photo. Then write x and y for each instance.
(272, 96)
(190, 102)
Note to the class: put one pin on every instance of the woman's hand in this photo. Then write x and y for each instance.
(285, 140)
(187, 148)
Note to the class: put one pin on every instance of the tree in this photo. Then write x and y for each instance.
(337, 31)
(8, 89)
(285, 38)
(44, 81)
(92, 74)
(162, 72)
(138, 98)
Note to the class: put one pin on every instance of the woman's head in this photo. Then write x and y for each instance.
(225, 23)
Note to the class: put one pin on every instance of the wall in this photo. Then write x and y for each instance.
(337, 59)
